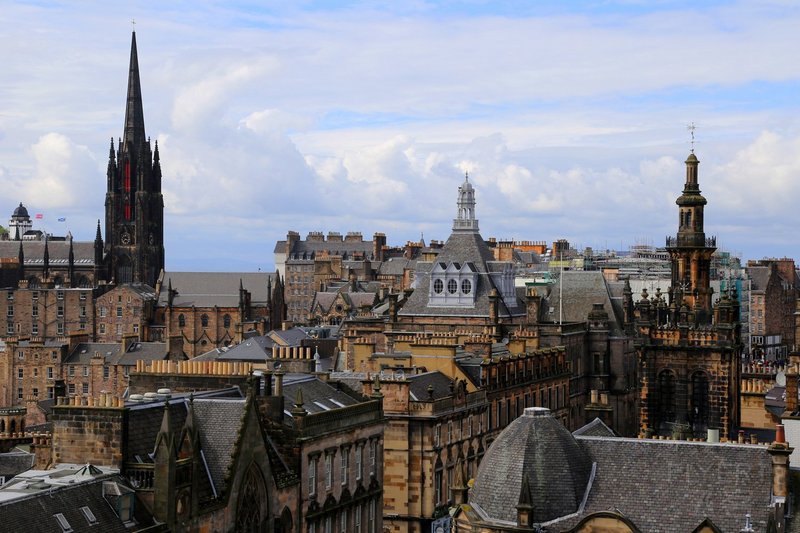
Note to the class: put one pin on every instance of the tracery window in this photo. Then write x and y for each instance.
(252, 493)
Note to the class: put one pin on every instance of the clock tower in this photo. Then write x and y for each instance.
(134, 204)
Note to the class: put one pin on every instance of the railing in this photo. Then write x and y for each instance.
(693, 240)
(140, 475)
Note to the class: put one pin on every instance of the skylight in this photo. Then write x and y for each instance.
(89, 515)
(62, 521)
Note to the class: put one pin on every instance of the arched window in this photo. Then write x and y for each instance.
(204, 321)
(226, 321)
(438, 480)
(124, 270)
(699, 392)
(250, 517)
(181, 321)
(12, 427)
(438, 286)
(452, 286)
(466, 286)
(666, 397)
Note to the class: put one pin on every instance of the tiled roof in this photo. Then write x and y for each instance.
(674, 485)
(218, 421)
(57, 251)
(460, 248)
(207, 289)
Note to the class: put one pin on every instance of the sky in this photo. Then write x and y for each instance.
(570, 117)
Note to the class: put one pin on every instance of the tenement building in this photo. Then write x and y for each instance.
(689, 353)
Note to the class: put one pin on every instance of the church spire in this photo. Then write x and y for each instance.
(134, 112)
(466, 222)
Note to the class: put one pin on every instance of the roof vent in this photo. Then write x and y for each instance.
(537, 411)
(164, 394)
(136, 398)
(150, 396)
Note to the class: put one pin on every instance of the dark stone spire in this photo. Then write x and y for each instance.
(71, 260)
(134, 112)
(46, 258)
(21, 259)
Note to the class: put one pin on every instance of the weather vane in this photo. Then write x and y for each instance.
(691, 127)
(133, 24)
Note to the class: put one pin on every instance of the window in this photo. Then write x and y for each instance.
(328, 525)
(372, 516)
(35, 372)
(82, 324)
(358, 462)
(20, 373)
(466, 286)
(103, 312)
(71, 371)
(71, 388)
(312, 476)
(83, 310)
(437, 436)
(89, 515)
(62, 521)
(343, 464)
(357, 519)
(60, 295)
(19, 393)
(60, 310)
(85, 388)
(10, 295)
(136, 328)
(60, 328)
(35, 392)
(10, 328)
(86, 371)
(10, 310)
(35, 310)
(181, 321)
(452, 286)
(204, 321)
(102, 328)
(35, 295)
(105, 372)
(438, 286)
(449, 432)
(343, 521)
(50, 393)
(226, 321)
(54, 355)
(119, 311)
(35, 328)
(119, 329)
(311, 528)
(328, 470)
(373, 445)
(83, 295)
(49, 372)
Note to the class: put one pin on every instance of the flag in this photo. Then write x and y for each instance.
(39, 216)
(62, 219)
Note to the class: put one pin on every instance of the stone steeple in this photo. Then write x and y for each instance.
(134, 204)
(466, 222)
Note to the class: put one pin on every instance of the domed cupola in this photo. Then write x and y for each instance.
(20, 212)
(533, 473)
(20, 223)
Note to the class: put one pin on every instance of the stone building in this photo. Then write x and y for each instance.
(47, 312)
(689, 353)
(216, 309)
(539, 477)
(773, 299)
(123, 311)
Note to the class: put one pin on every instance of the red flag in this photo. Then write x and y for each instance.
(39, 216)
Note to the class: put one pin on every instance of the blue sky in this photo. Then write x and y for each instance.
(363, 116)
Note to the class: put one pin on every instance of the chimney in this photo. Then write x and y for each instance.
(175, 348)
(780, 451)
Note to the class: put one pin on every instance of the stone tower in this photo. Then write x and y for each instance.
(690, 251)
(689, 353)
(134, 204)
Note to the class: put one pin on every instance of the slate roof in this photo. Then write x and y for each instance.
(290, 337)
(35, 513)
(595, 428)
(759, 276)
(112, 351)
(144, 423)
(15, 463)
(318, 396)
(207, 289)
(218, 421)
(580, 290)
(334, 247)
(461, 247)
(395, 266)
(674, 485)
(256, 348)
(418, 388)
(539, 448)
(58, 252)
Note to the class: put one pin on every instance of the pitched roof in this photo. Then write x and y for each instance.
(595, 428)
(439, 383)
(580, 290)
(57, 251)
(219, 421)
(15, 463)
(113, 354)
(318, 396)
(207, 289)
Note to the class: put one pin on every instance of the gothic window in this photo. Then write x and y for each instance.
(124, 270)
(438, 286)
(181, 321)
(438, 478)
(466, 286)
(699, 412)
(666, 396)
(226, 321)
(251, 495)
(204, 321)
(452, 286)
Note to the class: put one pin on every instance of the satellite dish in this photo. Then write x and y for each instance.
(780, 379)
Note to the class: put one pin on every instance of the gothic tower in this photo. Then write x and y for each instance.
(690, 251)
(134, 205)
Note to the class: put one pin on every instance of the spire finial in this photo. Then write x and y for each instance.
(466, 175)
(133, 25)
(691, 127)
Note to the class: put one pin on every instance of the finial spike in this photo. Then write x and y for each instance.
(691, 127)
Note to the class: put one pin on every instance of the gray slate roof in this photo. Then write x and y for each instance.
(580, 290)
(15, 463)
(595, 428)
(58, 252)
(218, 421)
(207, 289)
(538, 447)
(459, 248)
(318, 396)
(256, 348)
(148, 351)
(674, 485)
(439, 383)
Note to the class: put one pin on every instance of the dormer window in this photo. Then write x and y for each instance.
(460, 280)
(438, 286)
(452, 286)
(466, 286)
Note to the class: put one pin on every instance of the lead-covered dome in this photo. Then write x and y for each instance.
(535, 446)
(20, 212)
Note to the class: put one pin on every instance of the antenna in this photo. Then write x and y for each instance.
(133, 25)
(691, 127)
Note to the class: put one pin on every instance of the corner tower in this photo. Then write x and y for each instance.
(690, 251)
(134, 204)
